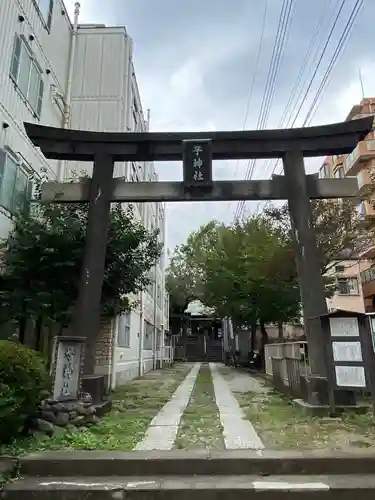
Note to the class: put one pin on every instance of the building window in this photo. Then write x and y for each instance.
(45, 8)
(15, 184)
(348, 286)
(123, 336)
(166, 305)
(148, 337)
(151, 285)
(159, 297)
(27, 75)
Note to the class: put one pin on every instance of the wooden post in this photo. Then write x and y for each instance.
(86, 317)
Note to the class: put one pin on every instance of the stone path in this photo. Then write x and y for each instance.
(163, 429)
(238, 432)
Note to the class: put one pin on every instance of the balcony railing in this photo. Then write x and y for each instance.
(368, 275)
(364, 148)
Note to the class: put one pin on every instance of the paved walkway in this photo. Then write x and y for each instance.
(237, 431)
(163, 429)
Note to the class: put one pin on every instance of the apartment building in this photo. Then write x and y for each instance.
(356, 278)
(63, 74)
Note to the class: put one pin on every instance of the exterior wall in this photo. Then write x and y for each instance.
(105, 97)
(50, 49)
(290, 332)
(359, 163)
(352, 269)
(126, 359)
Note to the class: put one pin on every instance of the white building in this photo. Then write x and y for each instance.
(61, 74)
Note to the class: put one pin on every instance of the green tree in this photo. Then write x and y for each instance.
(245, 271)
(44, 254)
(339, 228)
(184, 279)
(179, 282)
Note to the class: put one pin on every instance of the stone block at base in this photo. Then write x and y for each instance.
(7, 465)
(94, 385)
(103, 407)
(314, 390)
(311, 410)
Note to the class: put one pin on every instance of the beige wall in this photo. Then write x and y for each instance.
(349, 302)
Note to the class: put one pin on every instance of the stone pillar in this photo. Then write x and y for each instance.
(311, 281)
(86, 318)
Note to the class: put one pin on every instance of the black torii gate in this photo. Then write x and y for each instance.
(198, 150)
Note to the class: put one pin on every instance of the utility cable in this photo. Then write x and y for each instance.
(341, 45)
(253, 81)
(282, 30)
(270, 71)
(335, 21)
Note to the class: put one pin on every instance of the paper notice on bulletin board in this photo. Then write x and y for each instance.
(350, 376)
(347, 351)
(344, 327)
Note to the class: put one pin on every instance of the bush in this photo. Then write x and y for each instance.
(24, 380)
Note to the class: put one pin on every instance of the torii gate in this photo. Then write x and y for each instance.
(197, 150)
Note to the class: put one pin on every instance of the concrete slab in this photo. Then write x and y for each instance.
(207, 487)
(161, 435)
(237, 431)
(197, 462)
(324, 410)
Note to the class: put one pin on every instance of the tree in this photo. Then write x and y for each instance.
(179, 282)
(180, 287)
(244, 271)
(253, 270)
(339, 228)
(44, 254)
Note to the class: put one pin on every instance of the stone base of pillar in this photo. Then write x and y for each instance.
(314, 390)
(94, 385)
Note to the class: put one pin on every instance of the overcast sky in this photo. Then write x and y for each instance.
(195, 62)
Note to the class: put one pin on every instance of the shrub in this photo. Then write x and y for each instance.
(24, 380)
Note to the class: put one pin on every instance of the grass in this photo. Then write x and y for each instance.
(281, 425)
(200, 424)
(134, 406)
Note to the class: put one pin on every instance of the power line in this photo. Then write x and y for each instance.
(320, 61)
(294, 95)
(335, 20)
(341, 45)
(338, 51)
(283, 24)
(270, 71)
(252, 85)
